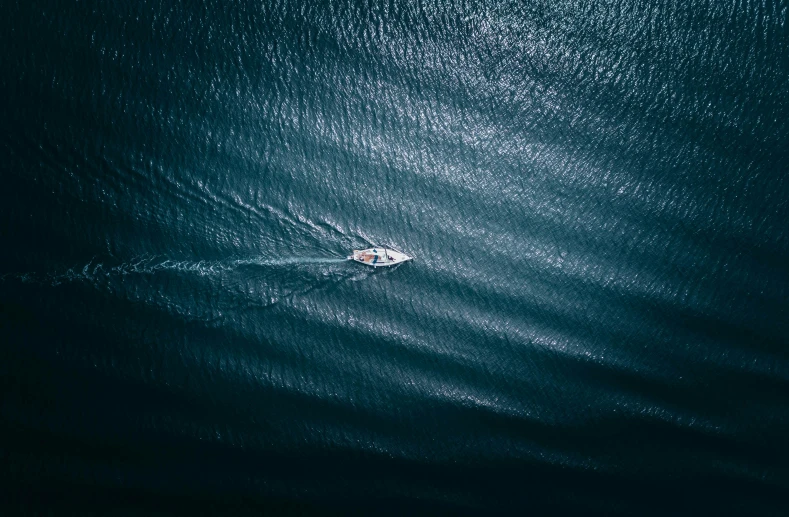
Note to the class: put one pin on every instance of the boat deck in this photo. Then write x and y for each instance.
(379, 257)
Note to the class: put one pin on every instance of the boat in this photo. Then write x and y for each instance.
(379, 256)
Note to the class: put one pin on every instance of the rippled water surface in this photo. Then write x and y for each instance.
(596, 195)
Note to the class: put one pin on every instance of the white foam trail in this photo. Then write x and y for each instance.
(149, 265)
(292, 260)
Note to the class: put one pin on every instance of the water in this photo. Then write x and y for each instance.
(595, 194)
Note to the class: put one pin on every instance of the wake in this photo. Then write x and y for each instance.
(95, 270)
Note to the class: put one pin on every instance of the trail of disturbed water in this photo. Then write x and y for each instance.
(94, 269)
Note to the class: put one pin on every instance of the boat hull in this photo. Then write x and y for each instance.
(379, 257)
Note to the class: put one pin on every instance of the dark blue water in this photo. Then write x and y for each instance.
(596, 195)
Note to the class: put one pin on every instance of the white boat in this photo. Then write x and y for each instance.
(379, 256)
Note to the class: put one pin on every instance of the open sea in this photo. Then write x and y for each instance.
(596, 194)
